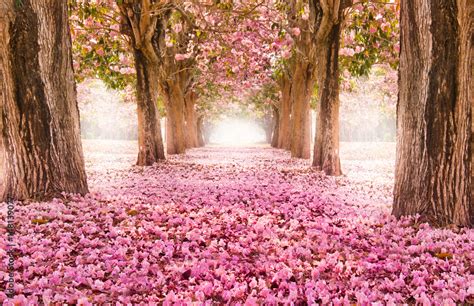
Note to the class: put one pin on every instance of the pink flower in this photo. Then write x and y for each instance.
(286, 54)
(296, 31)
(200, 296)
(178, 27)
(180, 57)
(305, 15)
(83, 301)
(347, 52)
(251, 301)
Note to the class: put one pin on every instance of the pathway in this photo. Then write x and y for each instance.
(236, 225)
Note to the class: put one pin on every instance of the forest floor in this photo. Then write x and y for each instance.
(235, 225)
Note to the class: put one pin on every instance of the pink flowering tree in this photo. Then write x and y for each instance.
(315, 29)
(175, 46)
(312, 60)
(103, 42)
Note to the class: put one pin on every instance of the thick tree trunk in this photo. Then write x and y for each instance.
(301, 91)
(326, 145)
(191, 120)
(200, 131)
(433, 166)
(175, 122)
(467, 50)
(40, 147)
(150, 140)
(284, 139)
(276, 127)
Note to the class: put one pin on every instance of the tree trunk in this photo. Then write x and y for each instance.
(267, 125)
(175, 123)
(206, 131)
(433, 165)
(40, 147)
(301, 91)
(200, 135)
(284, 139)
(191, 120)
(276, 126)
(467, 50)
(268, 133)
(150, 140)
(326, 145)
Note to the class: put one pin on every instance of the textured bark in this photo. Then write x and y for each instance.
(467, 50)
(145, 22)
(191, 120)
(313, 55)
(276, 127)
(150, 140)
(175, 122)
(301, 91)
(326, 145)
(433, 166)
(40, 145)
(284, 138)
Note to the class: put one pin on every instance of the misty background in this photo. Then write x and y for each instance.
(367, 113)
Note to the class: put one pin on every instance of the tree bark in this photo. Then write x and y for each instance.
(301, 91)
(326, 145)
(284, 139)
(150, 140)
(147, 30)
(276, 126)
(191, 120)
(467, 50)
(433, 165)
(175, 123)
(40, 146)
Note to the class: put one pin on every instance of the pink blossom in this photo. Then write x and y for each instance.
(296, 31)
(286, 54)
(177, 28)
(180, 57)
(234, 226)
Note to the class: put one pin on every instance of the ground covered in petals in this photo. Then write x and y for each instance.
(234, 226)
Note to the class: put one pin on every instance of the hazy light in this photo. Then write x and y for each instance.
(237, 132)
(104, 114)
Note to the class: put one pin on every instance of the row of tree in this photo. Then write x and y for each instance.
(314, 69)
(433, 175)
(40, 147)
(170, 41)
